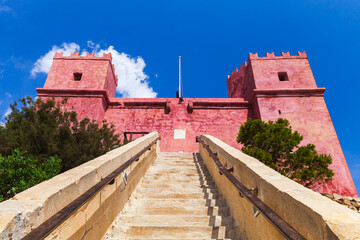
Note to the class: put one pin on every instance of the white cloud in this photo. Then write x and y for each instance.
(43, 64)
(7, 112)
(133, 82)
(93, 46)
(8, 94)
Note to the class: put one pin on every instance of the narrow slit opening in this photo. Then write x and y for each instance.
(77, 76)
(283, 76)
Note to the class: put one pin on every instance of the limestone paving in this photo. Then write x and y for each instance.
(176, 199)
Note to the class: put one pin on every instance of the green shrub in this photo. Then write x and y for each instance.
(43, 129)
(277, 146)
(19, 172)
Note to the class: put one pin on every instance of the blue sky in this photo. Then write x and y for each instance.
(213, 37)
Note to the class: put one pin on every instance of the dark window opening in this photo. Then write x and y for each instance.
(283, 76)
(77, 76)
(279, 111)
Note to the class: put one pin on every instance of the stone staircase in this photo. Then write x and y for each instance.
(176, 199)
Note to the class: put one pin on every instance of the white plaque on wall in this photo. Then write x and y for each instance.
(179, 134)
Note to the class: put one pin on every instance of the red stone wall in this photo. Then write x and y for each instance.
(206, 118)
(97, 73)
(90, 106)
(110, 82)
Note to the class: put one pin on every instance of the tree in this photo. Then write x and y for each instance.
(277, 145)
(19, 172)
(43, 130)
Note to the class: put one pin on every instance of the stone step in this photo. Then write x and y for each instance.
(185, 158)
(176, 185)
(176, 199)
(189, 157)
(190, 189)
(185, 181)
(171, 232)
(178, 180)
(174, 168)
(154, 193)
(197, 210)
(176, 160)
(176, 220)
(179, 175)
(177, 163)
(109, 238)
(179, 160)
(179, 172)
(170, 159)
(177, 154)
(178, 202)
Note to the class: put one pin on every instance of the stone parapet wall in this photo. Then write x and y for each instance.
(30, 208)
(311, 214)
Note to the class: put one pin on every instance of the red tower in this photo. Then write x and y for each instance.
(284, 87)
(88, 81)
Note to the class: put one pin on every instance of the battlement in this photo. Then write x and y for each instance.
(236, 70)
(271, 56)
(289, 72)
(81, 73)
(89, 56)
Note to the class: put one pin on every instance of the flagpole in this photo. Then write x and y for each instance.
(180, 77)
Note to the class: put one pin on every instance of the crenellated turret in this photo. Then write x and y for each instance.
(82, 72)
(284, 87)
(88, 81)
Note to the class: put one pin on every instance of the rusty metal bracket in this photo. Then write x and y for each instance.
(254, 191)
(230, 169)
(131, 135)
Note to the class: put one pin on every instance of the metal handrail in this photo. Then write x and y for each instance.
(280, 224)
(61, 216)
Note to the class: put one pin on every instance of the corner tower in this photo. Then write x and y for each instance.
(87, 81)
(284, 87)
